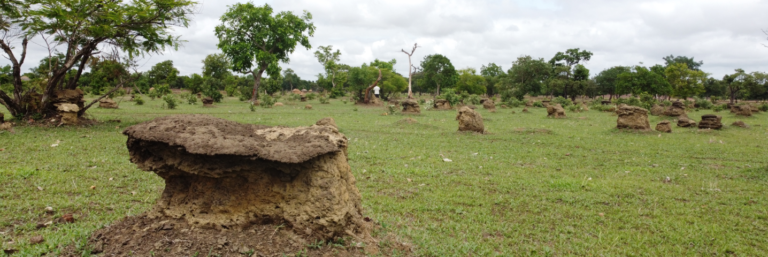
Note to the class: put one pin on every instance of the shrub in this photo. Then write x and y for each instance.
(703, 103)
(170, 102)
(450, 96)
(538, 104)
(473, 99)
(574, 108)
(562, 101)
(717, 108)
(312, 96)
(513, 102)
(763, 107)
(391, 109)
(230, 89)
(252, 107)
(191, 99)
(336, 92)
(245, 93)
(666, 103)
(138, 100)
(267, 101)
(324, 100)
(422, 101)
(713, 99)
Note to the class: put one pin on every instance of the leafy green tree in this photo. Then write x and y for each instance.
(106, 74)
(273, 84)
(330, 61)
(760, 88)
(639, 80)
(290, 79)
(211, 87)
(492, 74)
(714, 87)
(163, 73)
(526, 76)
(256, 41)
(438, 72)
(693, 65)
(470, 82)
(392, 82)
(80, 28)
(607, 79)
(738, 82)
(563, 63)
(216, 66)
(685, 82)
(195, 83)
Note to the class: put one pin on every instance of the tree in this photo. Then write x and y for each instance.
(290, 79)
(80, 29)
(216, 66)
(329, 59)
(470, 82)
(438, 71)
(607, 80)
(685, 82)
(492, 74)
(639, 79)
(738, 82)
(693, 65)
(526, 76)
(410, 66)
(195, 83)
(256, 41)
(563, 63)
(106, 74)
(163, 73)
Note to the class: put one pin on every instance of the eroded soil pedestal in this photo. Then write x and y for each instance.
(222, 175)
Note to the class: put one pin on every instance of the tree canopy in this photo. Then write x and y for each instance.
(438, 71)
(255, 40)
(216, 66)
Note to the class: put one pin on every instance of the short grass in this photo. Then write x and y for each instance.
(531, 187)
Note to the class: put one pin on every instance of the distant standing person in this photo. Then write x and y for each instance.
(376, 91)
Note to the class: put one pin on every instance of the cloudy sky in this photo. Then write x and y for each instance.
(724, 34)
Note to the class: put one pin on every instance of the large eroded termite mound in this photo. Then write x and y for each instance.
(220, 173)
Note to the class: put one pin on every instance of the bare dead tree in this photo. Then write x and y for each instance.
(410, 66)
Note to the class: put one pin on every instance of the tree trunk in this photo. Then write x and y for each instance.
(437, 93)
(14, 105)
(257, 82)
(368, 90)
(73, 81)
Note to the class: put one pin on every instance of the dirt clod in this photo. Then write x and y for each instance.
(555, 111)
(470, 120)
(107, 103)
(36, 240)
(410, 106)
(442, 104)
(677, 109)
(632, 117)
(740, 124)
(741, 110)
(710, 121)
(664, 126)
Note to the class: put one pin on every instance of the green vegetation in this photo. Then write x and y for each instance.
(532, 186)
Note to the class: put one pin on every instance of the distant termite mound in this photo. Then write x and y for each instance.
(224, 174)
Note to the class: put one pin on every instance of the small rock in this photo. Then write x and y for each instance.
(68, 218)
(49, 209)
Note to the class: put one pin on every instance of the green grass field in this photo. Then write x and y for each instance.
(532, 186)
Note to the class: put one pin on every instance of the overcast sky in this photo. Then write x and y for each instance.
(724, 34)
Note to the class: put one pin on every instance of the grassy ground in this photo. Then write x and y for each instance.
(533, 186)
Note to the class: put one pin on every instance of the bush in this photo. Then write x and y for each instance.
(312, 96)
(718, 108)
(713, 99)
(473, 99)
(191, 99)
(267, 101)
(324, 100)
(230, 89)
(702, 103)
(391, 109)
(336, 92)
(562, 101)
(666, 103)
(763, 107)
(450, 96)
(515, 103)
(245, 93)
(138, 100)
(422, 101)
(574, 108)
(252, 107)
(170, 102)
(538, 104)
